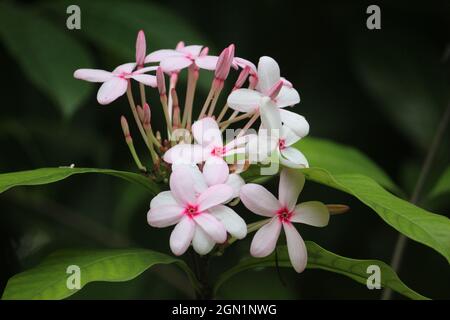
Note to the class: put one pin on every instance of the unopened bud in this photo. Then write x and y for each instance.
(160, 81)
(146, 116)
(253, 81)
(176, 117)
(140, 112)
(337, 208)
(180, 45)
(140, 48)
(125, 129)
(224, 63)
(204, 51)
(275, 90)
(242, 78)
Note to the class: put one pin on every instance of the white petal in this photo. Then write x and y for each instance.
(287, 97)
(202, 243)
(288, 135)
(296, 247)
(266, 238)
(291, 184)
(125, 68)
(235, 182)
(268, 74)
(159, 55)
(111, 90)
(270, 115)
(163, 199)
(181, 185)
(295, 122)
(215, 171)
(242, 63)
(146, 79)
(175, 63)
(207, 62)
(314, 213)
(293, 158)
(213, 227)
(194, 50)
(184, 154)
(206, 132)
(258, 200)
(234, 224)
(93, 75)
(165, 215)
(182, 235)
(244, 100)
(213, 196)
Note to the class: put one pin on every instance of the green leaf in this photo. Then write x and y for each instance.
(442, 187)
(340, 159)
(416, 223)
(319, 258)
(50, 175)
(47, 55)
(49, 279)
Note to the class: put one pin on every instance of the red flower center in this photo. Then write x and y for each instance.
(282, 144)
(218, 151)
(191, 210)
(284, 214)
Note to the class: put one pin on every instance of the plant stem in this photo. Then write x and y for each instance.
(201, 269)
(424, 171)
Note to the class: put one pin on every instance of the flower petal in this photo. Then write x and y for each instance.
(198, 180)
(206, 132)
(125, 68)
(268, 74)
(258, 200)
(215, 171)
(313, 213)
(146, 79)
(192, 49)
(291, 184)
(293, 158)
(233, 223)
(213, 227)
(141, 48)
(182, 235)
(163, 198)
(242, 63)
(270, 116)
(265, 239)
(236, 182)
(287, 97)
(159, 55)
(92, 75)
(184, 154)
(202, 243)
(181, 185)
(213, 196)
(165, 215)
(295, 122)
(207, 62)
(288, 135)
(296, 247)
(111, 90)
(175, 63)
(244, 100)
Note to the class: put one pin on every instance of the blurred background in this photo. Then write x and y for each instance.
(380, 91)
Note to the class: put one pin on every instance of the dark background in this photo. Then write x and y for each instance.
(381, 91)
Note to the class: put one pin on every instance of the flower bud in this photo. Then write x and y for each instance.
(275, 90)
(224, 63)
(242, 77)
(160, 81)
(140, 48)
(146, 116)
(126, 129)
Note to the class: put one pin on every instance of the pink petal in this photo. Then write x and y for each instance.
(159, 55)
(146, 79)
(289, 137)
(184, 154)
(146, 69)
(125, 68)
(111, 90)
(293, 158)
(242, 63)
(296, 247)
(313, 213)
(213, 196)
(244, 100)
(291, 184)
(164, 216)
(265, 239)
(93, 75)
(268, 74)
(295, 122)
(140, 48)
(163, 198)
(206, 132)
(287, 97)
(202, 243)
(215, 171)
(193, 50)
(213, 227)
(258, 200)
(207, 62)
(198, 180)
(181, 185)
(175, 63)
(233, 223)
(182, 235)
(270, 116)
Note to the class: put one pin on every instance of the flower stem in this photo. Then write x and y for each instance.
(415, 197)
(190, 93)
(222, 112)
(249, 124)
(207, 102)
(142, 92)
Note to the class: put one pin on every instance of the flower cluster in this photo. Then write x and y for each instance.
(204, 169)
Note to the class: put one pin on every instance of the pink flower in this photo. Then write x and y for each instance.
(248, 100)
(283, 212)
(197, 210)
(115, 83)
(182, 57)
(209, 147)
(282, 136)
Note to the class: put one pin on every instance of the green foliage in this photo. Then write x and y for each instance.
(47, 56)
(442, 187)
(49, 279)
(50, 175)
(319, 258)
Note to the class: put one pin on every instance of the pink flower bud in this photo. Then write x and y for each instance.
(204, 52)
(242, 77)
(140, 112)
(180, 45)
(125, 129)
(147, 116)
(275, 90)
(160, 81)
(224, 63)
(140, 48)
